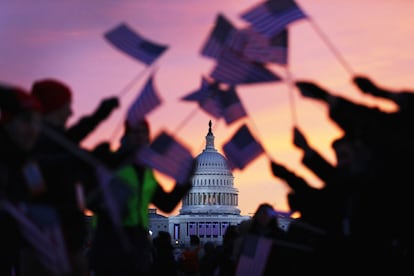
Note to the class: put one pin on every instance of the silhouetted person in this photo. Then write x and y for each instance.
(190, 257)
(164, 261)
(388, 137)
(108, 254)
(209, 259)
(69, 177)
(263, 226)
(20, 127)
(226, 258)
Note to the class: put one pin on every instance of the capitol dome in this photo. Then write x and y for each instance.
(213, 191)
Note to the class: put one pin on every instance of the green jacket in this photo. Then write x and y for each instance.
(142, 193)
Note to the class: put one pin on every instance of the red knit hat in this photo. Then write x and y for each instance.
(15, 100)
(52, 94)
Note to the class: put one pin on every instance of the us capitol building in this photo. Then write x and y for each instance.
(209, 207)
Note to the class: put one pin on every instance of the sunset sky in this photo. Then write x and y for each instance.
(64, 40)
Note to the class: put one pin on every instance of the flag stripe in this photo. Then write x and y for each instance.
(234, 70)
(146, 102)
(223, 35)
(206, 97)
(270, 17)
(232, 107)
(262, 49)
(242, 149)
(254, 256)
(49, 245)
(133, 44)
(175, 161)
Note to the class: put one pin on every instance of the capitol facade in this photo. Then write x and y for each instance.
(209, 207)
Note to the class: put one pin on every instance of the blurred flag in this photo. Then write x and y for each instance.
(271, 17)
(146, 101)
(283, 214)
(253, 258)
(233, 69)
(206, 97)
(133, 44)
(232, 107)
(266, 50)
(169, 157)
(40, 227)
(223, 35)
(242, 148)
(217, 102)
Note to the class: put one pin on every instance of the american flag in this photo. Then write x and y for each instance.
(223, 35)
(266, 50)
(242, 148)
(253, 258)
(133, 44)
(233, 69)
(147, 100)
(271, 17)
(232, 107)
(40, 226)
(169, 157)
(206, 97)
(217, 102)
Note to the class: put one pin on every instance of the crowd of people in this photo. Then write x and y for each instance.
(363, 207)
(48, 181)
(358, 220)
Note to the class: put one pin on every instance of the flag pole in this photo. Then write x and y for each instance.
(340, 58)
(129, 85)
(183, 122)
(291, 95)
(122, 93)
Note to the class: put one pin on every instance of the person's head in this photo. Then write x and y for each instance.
(194, 240)
(162, 239)
(351, 153)
(19, 116)
(344, 151)
(231, 234)
(265, 214)
(209, 247)
(136, 135)
(56, 100)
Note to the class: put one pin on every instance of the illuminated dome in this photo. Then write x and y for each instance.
(213, 190)
(210, 161)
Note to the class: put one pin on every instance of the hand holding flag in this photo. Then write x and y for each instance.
(311, 90)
